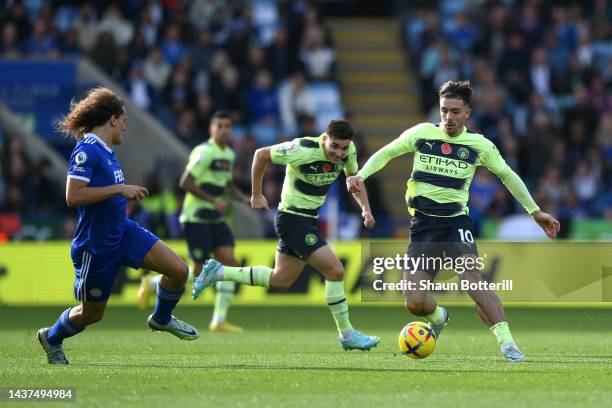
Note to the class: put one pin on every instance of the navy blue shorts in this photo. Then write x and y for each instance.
(202, 238)
(298, 236)
(95, 273)
(439, 237)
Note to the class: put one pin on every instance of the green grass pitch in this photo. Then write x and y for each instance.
(290, 356)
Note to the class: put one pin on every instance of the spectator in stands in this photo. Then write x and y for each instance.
(185, 128)
(49, 197)
(147, 28)
(585, 182)
(10, 46)
(203, 113)
(318, 58)
(201, 12)
(114, 22)
(231, 97)
(278, 56)
(17, 15)
(295, 99)
(463, 33)
(139, 89)
(86, 27)
(41, 43)
(263, 101)
(70, 43)
(156, 71)
(104, 52)
(202, 52)
(172, 46)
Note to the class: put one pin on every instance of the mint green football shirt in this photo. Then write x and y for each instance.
(211, 166)
(444, 167)
(309, 173)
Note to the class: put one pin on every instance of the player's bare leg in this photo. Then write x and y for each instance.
(421, 303)
(71, 322)
(328, 264)
(87, 313)
(169, 291)
(417, 301)
(287, 269)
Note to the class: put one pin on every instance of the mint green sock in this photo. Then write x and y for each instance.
(336, 300)
(223, 299)
(502, 332)
(437, 316)
(249, 275)
(190, 275)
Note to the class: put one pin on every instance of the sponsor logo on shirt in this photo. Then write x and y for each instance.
(118, 176)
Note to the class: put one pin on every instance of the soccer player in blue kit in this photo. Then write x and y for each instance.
(105, 239)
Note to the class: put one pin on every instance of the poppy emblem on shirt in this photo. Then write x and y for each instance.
(327, 168)
(446, 149)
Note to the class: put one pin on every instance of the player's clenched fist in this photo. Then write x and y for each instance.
(259, 202)
(354, 184)
(134, 192)
(368, 219)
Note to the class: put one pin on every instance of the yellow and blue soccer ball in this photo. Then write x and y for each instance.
(417, 340)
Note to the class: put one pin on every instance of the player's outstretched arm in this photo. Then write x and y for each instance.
(403, 144)
(78, 193)
(494, 162)
(188, 183)
(261, 160)
(361, 197)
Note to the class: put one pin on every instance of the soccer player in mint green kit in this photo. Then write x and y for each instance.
(445, 159)
(105, 239)
(206, 214)
(312, 165)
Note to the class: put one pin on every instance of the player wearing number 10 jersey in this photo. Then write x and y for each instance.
(445, 159)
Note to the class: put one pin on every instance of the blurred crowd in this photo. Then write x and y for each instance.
(542, 74)
(269, 63)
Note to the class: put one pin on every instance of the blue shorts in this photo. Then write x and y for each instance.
(95, 273)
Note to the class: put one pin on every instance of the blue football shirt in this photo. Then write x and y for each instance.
(101, 225)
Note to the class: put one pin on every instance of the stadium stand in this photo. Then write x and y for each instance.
(542, 71)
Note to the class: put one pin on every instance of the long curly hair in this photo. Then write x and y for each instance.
(92, 111)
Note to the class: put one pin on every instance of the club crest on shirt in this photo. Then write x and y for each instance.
(463, 153)
(80, 158)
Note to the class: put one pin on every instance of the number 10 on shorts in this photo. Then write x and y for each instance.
(466, 236)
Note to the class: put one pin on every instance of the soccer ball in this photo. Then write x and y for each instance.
(417, 340)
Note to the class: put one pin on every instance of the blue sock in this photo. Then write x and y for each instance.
(62, 329)
(166, 301)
